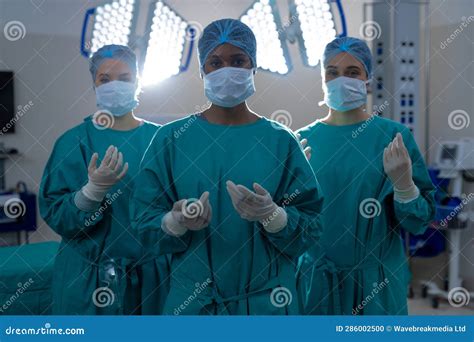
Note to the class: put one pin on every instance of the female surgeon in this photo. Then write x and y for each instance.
(228, 193)
(375, 184)
(84, 197)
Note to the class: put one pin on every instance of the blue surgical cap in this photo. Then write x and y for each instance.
(229, 31)
(116, 52)
(354, 46)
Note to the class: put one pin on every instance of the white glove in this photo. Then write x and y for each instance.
(257, 206)
(187, 214)
(109, 172)
(306, 149)
(398, 167)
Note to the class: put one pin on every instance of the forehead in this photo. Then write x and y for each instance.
(113, 66)
(344, 60)
(226, 50)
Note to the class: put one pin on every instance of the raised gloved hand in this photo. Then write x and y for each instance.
(398, 167)
(102, 178)
(306, 149)
(257, 206)
(187, 214)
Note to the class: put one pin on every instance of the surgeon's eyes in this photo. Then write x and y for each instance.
(332, 73)
(239, 62)
(103, 80)
(353, 74)
(215, 64)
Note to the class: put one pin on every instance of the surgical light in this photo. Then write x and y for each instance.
(112, 24)
(317, 28)
(168, 35)
(272, 52)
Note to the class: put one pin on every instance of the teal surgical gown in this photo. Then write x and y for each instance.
(359, 264)
(233, 266)
(84, 280)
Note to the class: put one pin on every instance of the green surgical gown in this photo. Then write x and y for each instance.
(233, 266)
(359, 265)
(82, 281)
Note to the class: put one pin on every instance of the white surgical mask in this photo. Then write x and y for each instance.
(118, 97)
(345, 93)
(227, 87)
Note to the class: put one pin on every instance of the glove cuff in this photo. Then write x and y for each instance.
(94, 192)
(276, 222)
(407, 195)
(171, 227)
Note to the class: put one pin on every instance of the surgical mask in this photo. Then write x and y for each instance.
(345, 93)
(118, 97)
(227, 87)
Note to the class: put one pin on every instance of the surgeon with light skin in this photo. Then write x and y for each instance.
(228, 193)
(375, 184)
(84, 197)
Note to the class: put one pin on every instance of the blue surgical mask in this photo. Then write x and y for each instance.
(345, 93)
(118, 97)
(228, 87)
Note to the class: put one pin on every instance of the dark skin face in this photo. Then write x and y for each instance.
(227, 55)
(113, 70)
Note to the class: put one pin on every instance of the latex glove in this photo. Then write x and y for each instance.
(102, 178)
(398, 167)
(306, 149)
(257, 206)
(187, 214)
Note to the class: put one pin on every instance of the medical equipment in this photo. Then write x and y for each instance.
(396, 29)
(454, 160)
(160, 47)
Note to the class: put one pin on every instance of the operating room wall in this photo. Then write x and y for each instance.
(52, 74)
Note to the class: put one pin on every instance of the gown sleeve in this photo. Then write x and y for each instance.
(414, 216)
(153, 197)
(300, 195)
(64, 175)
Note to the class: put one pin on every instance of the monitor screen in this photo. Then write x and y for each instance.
(449, 152)
(7, 105)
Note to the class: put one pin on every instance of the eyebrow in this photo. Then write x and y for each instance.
(123, 74)
(240, 54)
(349, 67)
